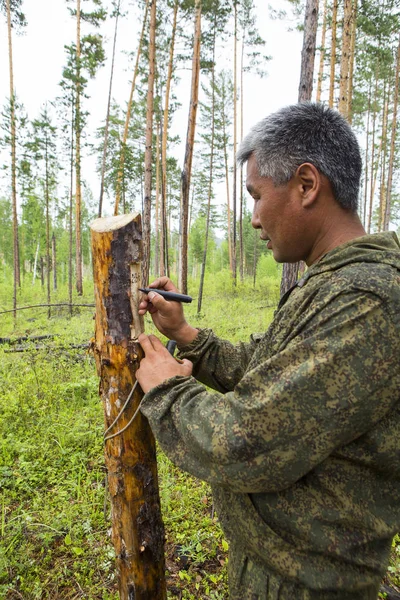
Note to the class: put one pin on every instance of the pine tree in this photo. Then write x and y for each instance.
(44, 152)
(15, 18)
(89, 56)
(187, 165)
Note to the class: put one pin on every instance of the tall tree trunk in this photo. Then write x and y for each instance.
(120, 176)
(35, 263)
(241, 268)
(16, 265)
(291, 270)
(322, 53)
(352, 60)
(333, 53)
(308, 51)
(386, 216)
(373, 170)
(345, 59)
(148, 150)
(164, 234)
(187, 165)
(47, 200)
(210, 182)
(228, 206)
(70, 212)
(157, 245)
(78, 126)
(382, 188)
(54, 260)
(255, 258)
(366, 159)
(41, 271)
(137, 528)
(234, 186)
(107, 125)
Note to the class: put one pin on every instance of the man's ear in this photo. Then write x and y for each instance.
(309, 184)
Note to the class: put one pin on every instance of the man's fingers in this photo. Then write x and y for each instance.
(146, 343)
(163, 283)
(150, 343)
(157, 300)
(157, 344)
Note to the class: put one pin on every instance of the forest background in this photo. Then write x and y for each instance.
(111, 107)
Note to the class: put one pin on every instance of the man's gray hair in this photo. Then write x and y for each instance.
(307, 132)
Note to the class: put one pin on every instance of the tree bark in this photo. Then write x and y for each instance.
(107, 125)
(148, 149)
(120, 175)
(137, 528)
(187, 164)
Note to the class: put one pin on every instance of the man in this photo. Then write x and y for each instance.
(301, 440)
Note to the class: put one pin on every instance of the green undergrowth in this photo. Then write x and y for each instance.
(54, 506)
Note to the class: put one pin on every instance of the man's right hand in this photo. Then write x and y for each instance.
(167, 315)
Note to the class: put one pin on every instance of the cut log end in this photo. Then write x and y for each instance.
(105, 224)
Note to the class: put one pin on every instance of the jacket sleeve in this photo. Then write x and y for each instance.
(328, 386)
(217, 363)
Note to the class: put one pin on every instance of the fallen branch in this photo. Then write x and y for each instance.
(30, 348)
(45, 306)
(26, 338)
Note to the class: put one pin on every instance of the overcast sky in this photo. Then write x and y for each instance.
(39, 56)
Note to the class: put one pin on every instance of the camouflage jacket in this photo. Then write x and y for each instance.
(301, 440)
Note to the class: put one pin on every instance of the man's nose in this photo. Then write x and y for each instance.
(255, 222)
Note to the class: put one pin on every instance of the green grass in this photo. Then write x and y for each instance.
(54, 506)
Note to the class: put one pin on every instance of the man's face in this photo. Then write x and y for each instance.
(276, 213)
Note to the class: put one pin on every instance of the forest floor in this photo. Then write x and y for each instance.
(54, 507)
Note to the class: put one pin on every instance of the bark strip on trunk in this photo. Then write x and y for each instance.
(137, 528)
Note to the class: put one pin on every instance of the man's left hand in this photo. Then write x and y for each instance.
(158, 364)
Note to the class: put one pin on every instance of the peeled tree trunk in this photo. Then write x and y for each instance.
(137, 528)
